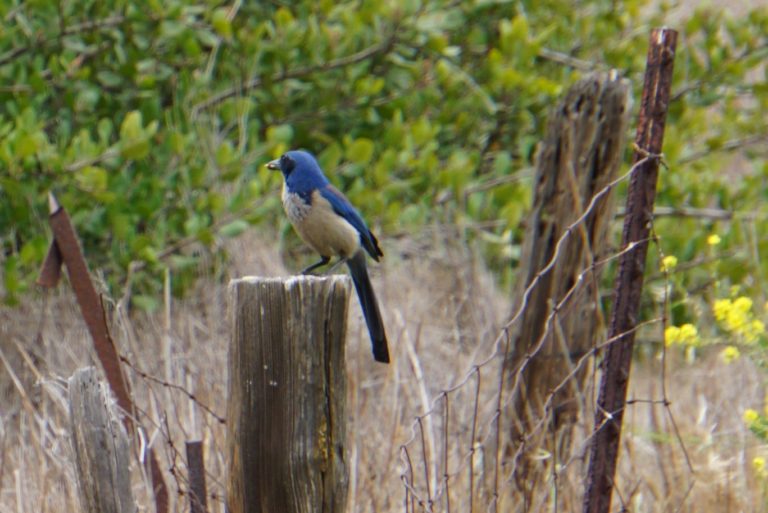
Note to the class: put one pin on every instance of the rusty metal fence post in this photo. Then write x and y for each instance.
(65, 250)
(629, 282)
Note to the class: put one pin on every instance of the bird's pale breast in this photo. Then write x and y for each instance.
(320, 227)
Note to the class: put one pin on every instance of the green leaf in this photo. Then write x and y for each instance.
(194, 224)
(92, 178)
(33, 251)
(283, 17)
(145, 302)
(221, 23)
(131, 128)
(121, 225)
(280, 134)
(225, 154)
(360, 151)
(207, 38)
(11, 279)
(179, 262)
(134, 138)
(135, 149)
(233, 229)
(109, 78)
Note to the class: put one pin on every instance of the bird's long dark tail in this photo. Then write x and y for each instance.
(359, 271)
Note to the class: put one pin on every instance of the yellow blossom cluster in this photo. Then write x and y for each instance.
(735, 316)
(685, 335)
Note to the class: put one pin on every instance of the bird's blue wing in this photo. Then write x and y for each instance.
(344, 208)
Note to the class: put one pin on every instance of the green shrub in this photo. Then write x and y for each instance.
(151, 120)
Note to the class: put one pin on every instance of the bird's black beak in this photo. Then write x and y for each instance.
(274, 165)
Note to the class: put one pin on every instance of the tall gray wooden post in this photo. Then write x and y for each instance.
(287, 395)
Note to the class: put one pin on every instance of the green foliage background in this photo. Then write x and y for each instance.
(151, 121)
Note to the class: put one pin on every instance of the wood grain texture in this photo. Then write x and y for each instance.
(101, 447)
(580, 155)
(287, 395)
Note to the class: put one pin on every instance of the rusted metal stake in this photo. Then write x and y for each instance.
(629, 282)
(90, 303)
(65, 249)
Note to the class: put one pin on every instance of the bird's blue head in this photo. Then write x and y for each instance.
(301, 171)
(298, 161)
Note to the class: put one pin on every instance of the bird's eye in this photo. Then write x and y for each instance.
(287, 163)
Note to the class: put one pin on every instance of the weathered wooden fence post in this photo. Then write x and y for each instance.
(561, 318)
(287, 395)
(101, 447)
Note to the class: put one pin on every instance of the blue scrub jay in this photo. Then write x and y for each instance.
(326, 220)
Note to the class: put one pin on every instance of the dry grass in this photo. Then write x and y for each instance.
(442, 311)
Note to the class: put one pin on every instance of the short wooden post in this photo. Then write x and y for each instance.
(101, 447)
(198, 500)
(287, 395)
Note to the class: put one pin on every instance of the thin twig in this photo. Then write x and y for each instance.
(728, 146)
(12, 54)
(256, 82)
(567, 60)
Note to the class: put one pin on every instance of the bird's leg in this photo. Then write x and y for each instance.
(340, 261)
(323, 261)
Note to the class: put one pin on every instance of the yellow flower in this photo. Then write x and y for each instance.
(721, 309)
(752, 331)
(736, 320)
(758, 463)
(686, 335)
(714, 239)
(750, 416)
(668, 263)
(736, 316)
(730, 354)
(743, 304)
(671, 335)
(689, 335)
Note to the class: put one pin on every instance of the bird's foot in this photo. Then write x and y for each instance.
(323, 261)
(334, 266)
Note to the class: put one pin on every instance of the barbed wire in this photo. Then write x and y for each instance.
(486, 426)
